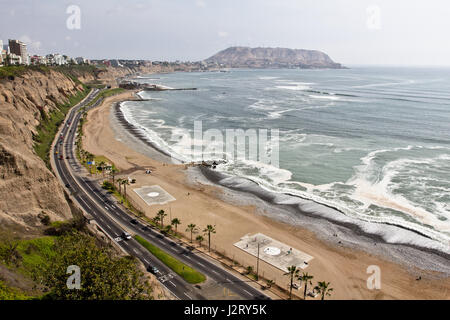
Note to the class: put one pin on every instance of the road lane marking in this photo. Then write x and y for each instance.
(173, 284)
(188, 296)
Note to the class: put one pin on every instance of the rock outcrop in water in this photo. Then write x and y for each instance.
(245, 57)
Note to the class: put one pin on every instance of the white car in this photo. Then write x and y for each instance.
(126, 235)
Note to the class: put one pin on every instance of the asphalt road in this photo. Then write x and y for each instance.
(111, 219)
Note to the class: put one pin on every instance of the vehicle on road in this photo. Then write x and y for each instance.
(152, 269)
(126, 235)
(133, 221)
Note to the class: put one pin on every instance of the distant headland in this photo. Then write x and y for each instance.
(246, 57)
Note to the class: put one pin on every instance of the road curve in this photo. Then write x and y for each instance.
(112, 220)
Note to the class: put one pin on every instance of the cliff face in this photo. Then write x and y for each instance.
(27, 187)
(245, 57)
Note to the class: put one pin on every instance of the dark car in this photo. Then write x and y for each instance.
(152, 269)
(145, 228)
(134, 221)
(67, 185)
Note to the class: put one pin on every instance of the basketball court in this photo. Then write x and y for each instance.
(273, 252)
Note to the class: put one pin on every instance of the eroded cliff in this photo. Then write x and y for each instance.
(28, 188)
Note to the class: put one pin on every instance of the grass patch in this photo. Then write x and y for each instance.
(72, 71)
(98, 159)
(188, 274)
(8, 293)
(33, 253)
(49, 125)
(104, 94)
(16, 71)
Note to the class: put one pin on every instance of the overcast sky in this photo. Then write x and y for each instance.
(398, 32)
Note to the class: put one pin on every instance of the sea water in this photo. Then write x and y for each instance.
(374, 143)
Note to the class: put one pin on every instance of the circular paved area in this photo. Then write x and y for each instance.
(272, 251)
(153, 194)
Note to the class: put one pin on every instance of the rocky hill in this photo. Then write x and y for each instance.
(245, 57)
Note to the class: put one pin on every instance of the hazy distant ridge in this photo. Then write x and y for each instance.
(238, 57)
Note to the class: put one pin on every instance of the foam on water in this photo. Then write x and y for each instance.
(336, 162)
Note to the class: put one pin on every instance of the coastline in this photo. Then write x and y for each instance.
(344, 266)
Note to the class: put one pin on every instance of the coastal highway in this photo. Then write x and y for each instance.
(113, 221)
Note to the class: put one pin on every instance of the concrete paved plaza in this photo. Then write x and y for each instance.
(154, 195)
(273, 252)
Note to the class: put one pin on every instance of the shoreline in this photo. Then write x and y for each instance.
(215, 177)
(316, 240)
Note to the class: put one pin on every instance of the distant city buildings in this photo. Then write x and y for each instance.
(15, 53)
(1, 53)
(19, 48)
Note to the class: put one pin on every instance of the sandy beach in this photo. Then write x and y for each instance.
(203, 204)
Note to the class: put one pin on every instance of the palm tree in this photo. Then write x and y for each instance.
(113, 174)
(192, 228)
(102, 166)
(324, 289)
(90, 157)
(161, 214)
(175, 222)
(269, 283)
(125, 182)
(200, 239)
(292, 272)
(305, 277)
(119, 182)
(249, 269)
(168, 228)
(208, 230)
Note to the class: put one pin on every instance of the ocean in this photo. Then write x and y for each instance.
(369, 145)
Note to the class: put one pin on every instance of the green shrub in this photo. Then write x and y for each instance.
(186, 272)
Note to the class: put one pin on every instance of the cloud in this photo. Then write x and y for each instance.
(31, 44)
(200, 3)
(223, 34)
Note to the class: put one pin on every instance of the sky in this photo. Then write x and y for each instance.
(352, 32)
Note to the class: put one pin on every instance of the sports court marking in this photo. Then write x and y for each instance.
(154, 195)
(273, 252)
